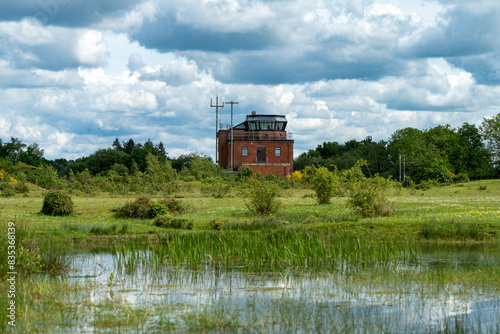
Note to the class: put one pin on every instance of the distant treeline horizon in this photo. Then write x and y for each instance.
(439, 153)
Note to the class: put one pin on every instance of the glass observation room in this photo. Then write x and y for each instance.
(263, 122)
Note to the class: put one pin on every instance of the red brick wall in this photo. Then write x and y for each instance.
(282, 165)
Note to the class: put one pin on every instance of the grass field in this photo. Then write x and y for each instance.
(463, 212)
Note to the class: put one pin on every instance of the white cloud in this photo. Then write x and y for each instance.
(91, 49)
(223, 15)
(27, 32)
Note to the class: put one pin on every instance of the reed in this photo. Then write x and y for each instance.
(266, 250)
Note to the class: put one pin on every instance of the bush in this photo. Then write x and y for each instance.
(143, 207)
(216, 187)
(170, 221)
(139, 208)
(7, 192)
(21, 188)
(46, 177)
(262, 196)
(325, 183)
(460, 177)
(368, 196)
(156, 209)
(218, 223)
(57, 204)
(173, 205)
(244, 172)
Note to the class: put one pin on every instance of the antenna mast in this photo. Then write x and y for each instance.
(216, 106)
(232, 141)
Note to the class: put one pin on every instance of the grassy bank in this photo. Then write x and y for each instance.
(464, 212)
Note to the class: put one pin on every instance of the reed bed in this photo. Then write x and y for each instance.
(266, 250)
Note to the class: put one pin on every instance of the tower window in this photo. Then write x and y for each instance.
(244, 151)
(277, 151)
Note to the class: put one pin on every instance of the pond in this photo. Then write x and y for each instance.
(451, 288)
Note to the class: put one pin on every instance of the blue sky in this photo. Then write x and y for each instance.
(76, 74)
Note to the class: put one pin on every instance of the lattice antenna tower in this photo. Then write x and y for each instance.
(216, 106)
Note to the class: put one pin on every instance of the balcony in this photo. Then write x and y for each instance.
(257, 137)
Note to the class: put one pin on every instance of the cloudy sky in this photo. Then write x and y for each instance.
(76, 74)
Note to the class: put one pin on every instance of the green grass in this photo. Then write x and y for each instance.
(458, 205)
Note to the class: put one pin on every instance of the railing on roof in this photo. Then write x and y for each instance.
(257, 137)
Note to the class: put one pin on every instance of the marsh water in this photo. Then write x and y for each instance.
(418, 296)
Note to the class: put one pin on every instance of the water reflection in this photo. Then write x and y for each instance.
(299, 301)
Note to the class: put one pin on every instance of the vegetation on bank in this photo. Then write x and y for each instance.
(442, 154)
(460, 212)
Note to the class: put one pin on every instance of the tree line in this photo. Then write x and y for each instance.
(121, 168)
(441, 153)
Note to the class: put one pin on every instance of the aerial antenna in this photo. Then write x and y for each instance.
(216, 106)
(232, 146)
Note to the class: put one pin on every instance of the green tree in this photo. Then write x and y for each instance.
(159, 172)
(309, 158)
(33, 155)
(476, 158)
(418, 152)
(329, 149)
(490, 129)
(128, 146)
(116, 145)
(102, 160)
(377, 156)
(13, 149)
(46, 177)
(439, 170)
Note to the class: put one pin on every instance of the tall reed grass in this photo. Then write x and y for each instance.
(267, 249)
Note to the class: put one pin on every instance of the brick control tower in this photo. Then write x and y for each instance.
(260, 142)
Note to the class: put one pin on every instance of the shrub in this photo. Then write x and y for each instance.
(7, 192)
(57, 204)
(46, 177)
(143, 207)
(218, 223)
(139, 208)
(29, 260)
(173, 205)
(296, 176)
(21, 188)
(156, 209)
(170, 221)
(262, 196)
(244, 172)
(368, 196)
(216, 187)
(325, 183)
(460, 177)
